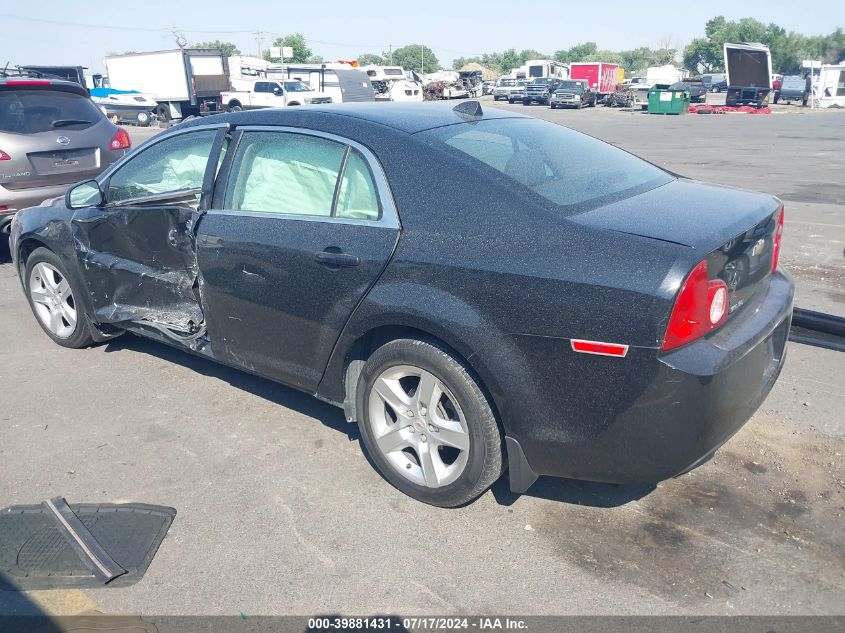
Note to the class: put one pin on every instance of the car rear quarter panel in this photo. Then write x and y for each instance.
(507, 283)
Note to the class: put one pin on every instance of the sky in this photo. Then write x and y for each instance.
(77, 32)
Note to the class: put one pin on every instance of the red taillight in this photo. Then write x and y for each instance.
(120, 140)
(3, 207)
(4, 155)
(28, 82)
(701, 306)
(776, 241)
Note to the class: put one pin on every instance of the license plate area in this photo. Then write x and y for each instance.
(60, 161)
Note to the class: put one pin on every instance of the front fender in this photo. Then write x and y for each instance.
(50, 227)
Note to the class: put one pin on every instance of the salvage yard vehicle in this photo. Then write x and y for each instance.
(573, 93)
(540, 91)
(793, 88)
(517, 91)
(601, 77)
(748, 74)
(271, 94)
(714, 82)
(502, 89)
(184, 82)
(51, 136)
(585, 313)
(391, 83)
(694, 87)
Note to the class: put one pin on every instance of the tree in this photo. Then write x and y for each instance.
(301, 50)
(577, 53)
(228, 48)
(416, 57)
(369, 59)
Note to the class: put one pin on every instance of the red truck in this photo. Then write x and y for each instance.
(601, 76)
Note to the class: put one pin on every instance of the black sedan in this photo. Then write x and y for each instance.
(477, 290)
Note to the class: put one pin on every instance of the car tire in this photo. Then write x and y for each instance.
(409, 450)
(143, 118)
(163, 113)
(235, 107)
(52, 298)
(552, 106)
(526, 102)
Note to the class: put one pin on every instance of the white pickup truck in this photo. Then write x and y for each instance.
(271, 94)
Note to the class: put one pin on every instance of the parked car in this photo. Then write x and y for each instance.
(517, 91)
(793, 88)
(578, 314)
(271, 94)
(503, 88)
(694, 87)
(51, 136)
(539, 91)
(715, 82)
(573, 93)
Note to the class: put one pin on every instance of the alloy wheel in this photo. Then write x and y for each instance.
(418, 426)
(53, 300)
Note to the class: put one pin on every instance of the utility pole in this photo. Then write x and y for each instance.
(258, 35)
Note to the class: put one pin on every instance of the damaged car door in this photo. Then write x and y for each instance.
(138, 247)
(301, 226)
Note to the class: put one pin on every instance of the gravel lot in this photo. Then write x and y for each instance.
(279, 513)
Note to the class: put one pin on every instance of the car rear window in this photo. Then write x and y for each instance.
(571, 170)
(34, 111)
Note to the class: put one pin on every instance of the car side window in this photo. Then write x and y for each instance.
(282, 172)
(357, 198)
(174, 165)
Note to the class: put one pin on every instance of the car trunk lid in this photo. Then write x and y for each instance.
(732, 229)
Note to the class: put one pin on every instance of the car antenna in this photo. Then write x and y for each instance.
(469, 109)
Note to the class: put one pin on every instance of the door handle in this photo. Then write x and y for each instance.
(212, 241)
(333, 259)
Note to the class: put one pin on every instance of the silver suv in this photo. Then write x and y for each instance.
(51, 136)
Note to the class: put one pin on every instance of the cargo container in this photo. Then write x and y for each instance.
(601, 76)
(748, 69)
(183, 82)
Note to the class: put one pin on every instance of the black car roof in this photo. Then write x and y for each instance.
(405, 117)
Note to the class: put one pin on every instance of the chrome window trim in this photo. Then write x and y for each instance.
(389, 216)
(156, 197)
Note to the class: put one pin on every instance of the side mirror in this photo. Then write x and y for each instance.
(278, 92)
(84, 194)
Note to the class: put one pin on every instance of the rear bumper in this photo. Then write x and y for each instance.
(19, 199)
(664, 414)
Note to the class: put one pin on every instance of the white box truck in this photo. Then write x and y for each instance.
(748, 69)
(183, 82)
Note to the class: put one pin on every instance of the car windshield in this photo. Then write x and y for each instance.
(34, 111)
(296, 86)
(576, 86)
(569, 169)
(541, 81)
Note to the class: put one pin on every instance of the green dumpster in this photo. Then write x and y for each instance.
(663, 99)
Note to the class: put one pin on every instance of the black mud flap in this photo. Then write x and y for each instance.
(54, 545)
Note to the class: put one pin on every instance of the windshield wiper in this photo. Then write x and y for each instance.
(67, 122)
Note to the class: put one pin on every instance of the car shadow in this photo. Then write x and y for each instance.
(568, 491)
(575, 492)
(328, 415)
